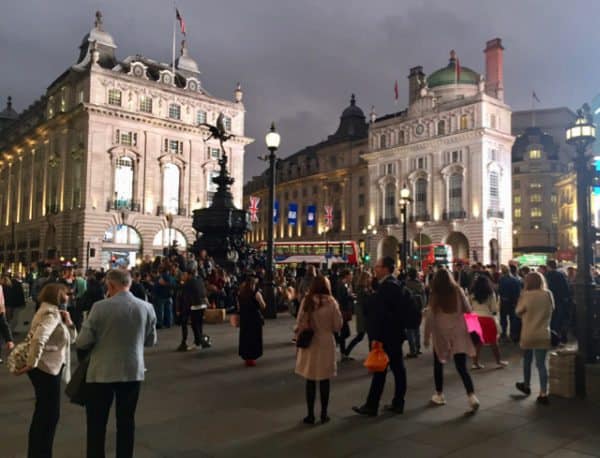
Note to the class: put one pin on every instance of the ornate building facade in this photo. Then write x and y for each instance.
(452, 149)
(112, 160)
(329, 173)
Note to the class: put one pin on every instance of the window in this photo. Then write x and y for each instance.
(390, 201)
(124, 181)
(422, 163)
(146, 104)
(536, 212)
(170, 199)
(174, 111)
(420, 198)
(455, 193)
(517, 200)
(401, 137)
(201, 117)
(441, 127)
(214, 153)
(114, 97)
(494, 191)
(361, 200)
(361, 180)
(126, 138)
(173, 146)
(382, 141)
(63, 99)
(535, 198)
(535, 185)
(50, 107)
(535, 154)
(456, 156)
(553, 198)
(517, 211)
(464, 122)
(227, 123)
(81, 96)
(389, 169)
(361, 221)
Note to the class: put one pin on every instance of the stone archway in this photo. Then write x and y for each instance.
(460, 246)
(388, 246)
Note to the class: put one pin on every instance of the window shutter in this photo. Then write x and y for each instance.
(118, 136)
(166, 145)
(134, 139)
(180, 147)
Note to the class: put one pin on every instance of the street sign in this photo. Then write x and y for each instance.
(533, 259)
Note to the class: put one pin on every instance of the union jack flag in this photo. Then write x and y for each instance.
(328, 215)
(253, 209)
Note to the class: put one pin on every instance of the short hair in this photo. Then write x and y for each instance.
(388, 263)
(345, 273)
(412, 273)
(119, 277)
(50, 293)
(504, 269)
(551, 264)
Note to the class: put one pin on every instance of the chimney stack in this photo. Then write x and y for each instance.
(414, 83)
(494, 68)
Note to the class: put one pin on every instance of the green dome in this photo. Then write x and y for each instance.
(447, 75)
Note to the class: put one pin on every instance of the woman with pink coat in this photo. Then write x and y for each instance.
(320, 312)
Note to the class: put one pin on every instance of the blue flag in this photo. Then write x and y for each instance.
(276, 211)
(292, 214)
(311, 215)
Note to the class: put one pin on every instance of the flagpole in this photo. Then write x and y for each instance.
(532, 109)
(174, 35)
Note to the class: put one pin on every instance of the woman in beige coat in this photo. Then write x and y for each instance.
(320, 312)
(49, 352)
(535, 308)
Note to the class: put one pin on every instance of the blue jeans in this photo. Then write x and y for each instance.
(540, 362)
(414, 340)
(164, 312)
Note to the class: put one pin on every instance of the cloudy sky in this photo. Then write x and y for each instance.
(300, 60)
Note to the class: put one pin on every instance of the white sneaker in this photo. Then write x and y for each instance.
(501, 364)
(438, 399)
(473, 402)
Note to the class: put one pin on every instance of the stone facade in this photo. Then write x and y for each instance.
(113, 158)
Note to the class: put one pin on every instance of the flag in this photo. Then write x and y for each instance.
(457, 69)
(311, 212)
(276, 212)
(292, 214)
(328, 215)
(253, 209)
(179, 18)
(396, 91)
(535, 97)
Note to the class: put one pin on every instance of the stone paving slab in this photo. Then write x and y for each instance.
(206, 404)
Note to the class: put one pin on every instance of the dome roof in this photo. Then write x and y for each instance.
(447, 75)
(102, 41)
(352, 123)
(353, 110)
(9, 112)
(185, 62)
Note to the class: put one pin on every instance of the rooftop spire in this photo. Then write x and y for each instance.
(98, 22)
(9, 103)
(353, 100)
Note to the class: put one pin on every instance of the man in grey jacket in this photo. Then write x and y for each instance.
(115, 332)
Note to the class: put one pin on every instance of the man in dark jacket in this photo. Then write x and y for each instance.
(343, 294)
(387, 322)
(509, 290)
(559, 285)
(192, 302)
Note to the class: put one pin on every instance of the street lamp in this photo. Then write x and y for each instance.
(420, 225)
(582, 134)
(404, 201)
(272, 140)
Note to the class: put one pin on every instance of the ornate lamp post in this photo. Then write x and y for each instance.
(582, 134)
(405, 200)
(272, 140)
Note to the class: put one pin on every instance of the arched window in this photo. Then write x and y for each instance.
(455, 193)
(166, 237)
(464, 122)
(494, 191)
(170, 200)
(420, 198)
(441, 127)
(382, 141)
(123, 182)
(390, 201)
(122, 234)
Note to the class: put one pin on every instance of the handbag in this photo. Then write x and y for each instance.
(474, 328)
(305, 336)
(77, 388)
(377, 360)
(17, 359)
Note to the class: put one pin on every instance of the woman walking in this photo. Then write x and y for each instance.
(251, 303)
(52, 333)
(445, 323)
(364, 295)
(535, 308)
(485, 305)
(320, 312)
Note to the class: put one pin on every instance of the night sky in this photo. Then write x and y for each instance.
(299, 61)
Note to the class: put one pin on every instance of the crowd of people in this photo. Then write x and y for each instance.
(118, 312)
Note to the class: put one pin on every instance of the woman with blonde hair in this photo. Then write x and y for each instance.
(445, 323)
(535, 308)
(320, 312)
(51, 335)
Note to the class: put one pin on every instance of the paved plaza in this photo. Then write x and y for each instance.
(207, 404)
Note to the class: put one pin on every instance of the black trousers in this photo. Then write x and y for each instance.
(460, 361)
(196, 318)
(97, 409)
(378, 381)
(509, 317)
(46, 413)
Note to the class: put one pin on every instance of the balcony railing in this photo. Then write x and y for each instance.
(388, 221)
(457, 214)
(181, 211)
(123, 204)
(422, 218)
(492, 213)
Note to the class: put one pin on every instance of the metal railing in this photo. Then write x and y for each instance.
(123, 204)
(457, 214)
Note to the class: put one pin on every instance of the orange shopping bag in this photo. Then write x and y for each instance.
(378, 360)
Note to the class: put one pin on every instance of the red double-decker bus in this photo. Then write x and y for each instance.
(435, 254)
(320, 252)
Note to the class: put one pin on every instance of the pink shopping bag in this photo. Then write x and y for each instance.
(473, 325)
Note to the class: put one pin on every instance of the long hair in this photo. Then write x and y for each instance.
(320, 287)
(482, 288)
(444, 291)
(247, 289)
(534, 280)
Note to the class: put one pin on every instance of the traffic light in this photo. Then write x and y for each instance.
(367, 258)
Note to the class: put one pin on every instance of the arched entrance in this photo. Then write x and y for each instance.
(121, 246)
(460, 246)
(388, 247)
(165, 238)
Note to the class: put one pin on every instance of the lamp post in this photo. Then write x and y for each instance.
(272, 139)
(404, 201)
(420, 225)
(582, 134)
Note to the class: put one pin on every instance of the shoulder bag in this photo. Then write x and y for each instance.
(305, 336)
(77, 388)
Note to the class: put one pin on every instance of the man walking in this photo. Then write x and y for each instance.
(192, 303)
(387, 322)
(509, 290)
(559, 285)
(115, 333)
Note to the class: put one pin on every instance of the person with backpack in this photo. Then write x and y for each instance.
(388, 319)
(417, 291)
